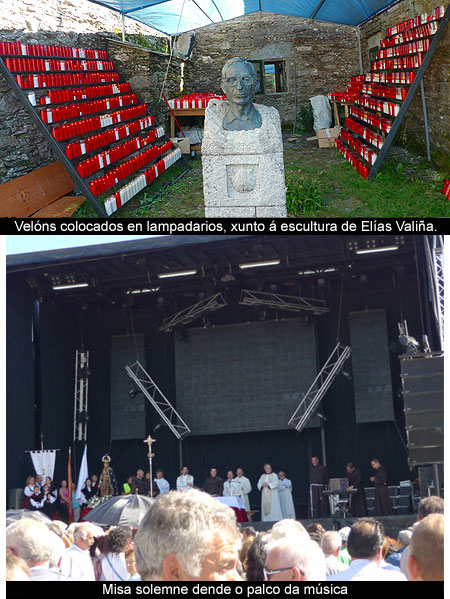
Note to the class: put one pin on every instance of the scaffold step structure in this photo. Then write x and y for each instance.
(158, 400)
(80, 412)
(311, 400)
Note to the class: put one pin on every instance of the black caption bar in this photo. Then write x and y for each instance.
(226, 226)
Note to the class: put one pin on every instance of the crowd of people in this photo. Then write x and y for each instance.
(192, 536)
(276, 490)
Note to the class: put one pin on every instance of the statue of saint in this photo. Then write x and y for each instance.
(240, 84)
(108, 481)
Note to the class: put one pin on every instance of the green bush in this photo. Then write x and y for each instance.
(305, 120)
(303, 196)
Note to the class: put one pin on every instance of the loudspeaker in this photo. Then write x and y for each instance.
(423, 394)
(16, 499)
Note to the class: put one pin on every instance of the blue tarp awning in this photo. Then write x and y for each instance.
(176, 16)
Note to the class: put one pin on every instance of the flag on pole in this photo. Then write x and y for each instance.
(69, 485)
(82, 476)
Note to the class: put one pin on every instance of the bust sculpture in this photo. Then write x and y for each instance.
(242, 150)
(240, 84)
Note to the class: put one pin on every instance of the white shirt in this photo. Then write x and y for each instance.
(185, 482)
(364, 569)
(333, 565)
(163, 485)
(78, 565)
(232, 488)
(114, 567)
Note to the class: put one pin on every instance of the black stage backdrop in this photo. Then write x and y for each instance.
(61, 334)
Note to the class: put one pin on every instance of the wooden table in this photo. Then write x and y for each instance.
(336, 112)
(184, 112)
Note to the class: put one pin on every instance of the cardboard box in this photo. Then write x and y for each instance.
(184, 143)
(326, 137)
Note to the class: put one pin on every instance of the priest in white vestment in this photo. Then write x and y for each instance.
(270, 500)
(185, 481)
(246, 487)
(231, 488)
(163, 484)
(285, 492)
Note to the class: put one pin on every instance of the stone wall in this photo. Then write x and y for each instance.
(80, 24)
(436, 83)
(322, 56)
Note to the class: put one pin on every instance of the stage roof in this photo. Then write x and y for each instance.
(177, 16)
(112, 271)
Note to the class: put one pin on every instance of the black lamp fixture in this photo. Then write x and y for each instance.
(133, 392)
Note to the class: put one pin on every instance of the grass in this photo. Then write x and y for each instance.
(320, 183)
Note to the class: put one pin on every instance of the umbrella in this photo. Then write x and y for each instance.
(14, 515)
(125, 510)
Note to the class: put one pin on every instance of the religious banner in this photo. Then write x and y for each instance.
(44, 462)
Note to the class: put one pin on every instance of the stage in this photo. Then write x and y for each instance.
(233, 332)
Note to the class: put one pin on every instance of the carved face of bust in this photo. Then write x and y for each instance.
(239, 83)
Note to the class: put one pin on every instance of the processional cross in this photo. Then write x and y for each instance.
(149, 442)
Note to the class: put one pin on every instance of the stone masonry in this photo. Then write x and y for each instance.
(322, 56)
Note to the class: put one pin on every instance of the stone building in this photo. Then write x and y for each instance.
(296, 58)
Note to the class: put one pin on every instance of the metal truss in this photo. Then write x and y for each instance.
(283, 302)
(320, 386)
(80, 413)
(210, 304)
(434, 249)
(436, 258)
(158, 400)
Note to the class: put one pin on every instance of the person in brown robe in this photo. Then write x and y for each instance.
(383, 506)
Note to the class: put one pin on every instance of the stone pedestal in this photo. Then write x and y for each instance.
(243, 171)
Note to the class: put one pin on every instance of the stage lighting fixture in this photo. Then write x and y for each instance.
(177, 273)
(145, 290)
(133, 393)
(228, 278)
(258, 264)
(158, 426)
(409, 345)
(319, 271)
(346, 375)
(69, 286)
(373, 250)
(321, 282)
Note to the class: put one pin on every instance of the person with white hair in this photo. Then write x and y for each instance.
(294, 557)
(331, 543)
(188, 536)
(287, 527)
(38, 546)
(77, 562)
(403, 539)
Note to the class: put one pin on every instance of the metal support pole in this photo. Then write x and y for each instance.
(180, 453)
(322, 441)
(123, 27)
(425, 119)
(361, 68)
(437, 481)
